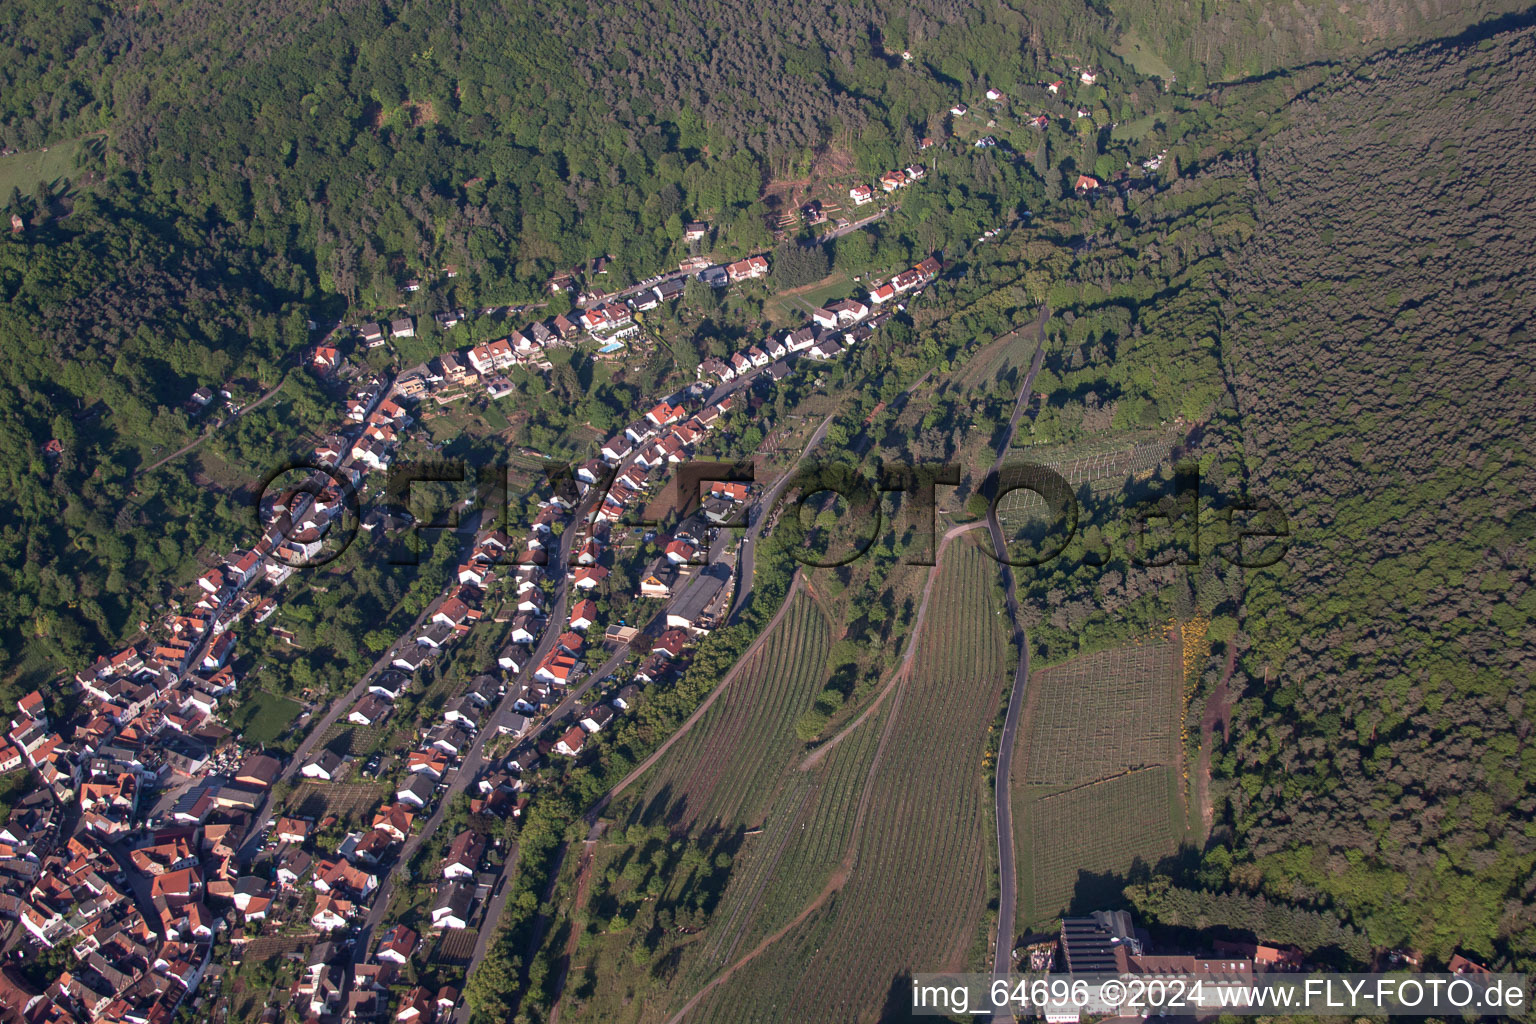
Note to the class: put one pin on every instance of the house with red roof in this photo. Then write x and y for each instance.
(571, 743)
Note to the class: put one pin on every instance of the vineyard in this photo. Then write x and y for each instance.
(732, 772)
(1100, 714)
(1079, 839)
(801, 846)
(348, 801)
(721, 774)
(1097, 775)
(453, 947)
(912, 893)
(1106, 462)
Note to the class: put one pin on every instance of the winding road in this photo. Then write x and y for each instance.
(1007, 866)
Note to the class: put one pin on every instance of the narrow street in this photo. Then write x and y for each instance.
(1008, 872)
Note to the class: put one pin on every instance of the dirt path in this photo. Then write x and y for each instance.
(583, 879)
(845, 868)
(1217, 709)
(904, 667)
(215, 428)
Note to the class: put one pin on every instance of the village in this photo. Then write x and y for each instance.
(1110, 943)
(158, 833)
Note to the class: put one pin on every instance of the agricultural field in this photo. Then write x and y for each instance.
(911, 891)
(263, 717)
(732, 773)
(1079, 840)
(788, 865)
(1085, 461)
(1102, 714)
(722, 773)
(876, 844)
(1096, 774)
(1005, 357)
(1104, 464)
(453, 947)
(349, 801)
(268, 947)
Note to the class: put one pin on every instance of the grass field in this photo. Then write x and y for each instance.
(263, 717)
(1133, 130)
(793, 308)
(24, 170)
(1095, 777)
(1140, 56)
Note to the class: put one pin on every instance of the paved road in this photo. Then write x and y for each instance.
(1002, 954)
(762, 508)
(338, 707)
(758, 518)
(597, 809)
(474, 760)
(672, 275)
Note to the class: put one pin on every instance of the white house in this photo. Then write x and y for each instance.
(323, 766)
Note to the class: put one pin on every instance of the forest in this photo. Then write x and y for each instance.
(1375, 346)
(1353, 355)
(242, 171)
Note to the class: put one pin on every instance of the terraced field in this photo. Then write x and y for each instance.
(1096, 775)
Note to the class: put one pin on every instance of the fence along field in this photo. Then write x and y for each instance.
(1096, 773)
(914, 892)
